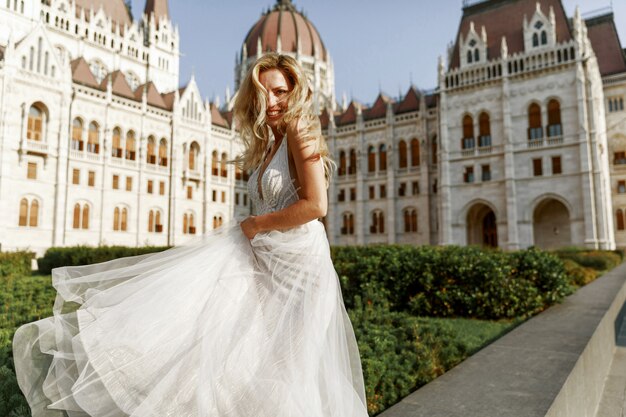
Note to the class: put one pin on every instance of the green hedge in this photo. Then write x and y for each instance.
(594, 259)
(454, 281)
(85, 255)
(15, 263)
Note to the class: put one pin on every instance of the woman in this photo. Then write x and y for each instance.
(245, 321)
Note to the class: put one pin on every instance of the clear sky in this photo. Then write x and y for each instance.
(375, 45)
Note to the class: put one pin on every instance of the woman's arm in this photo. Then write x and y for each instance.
(313, 200)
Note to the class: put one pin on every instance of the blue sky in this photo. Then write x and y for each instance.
(376, 46)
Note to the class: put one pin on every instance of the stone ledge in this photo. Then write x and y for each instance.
(555, 364)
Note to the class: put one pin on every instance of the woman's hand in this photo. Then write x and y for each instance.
(249, 227)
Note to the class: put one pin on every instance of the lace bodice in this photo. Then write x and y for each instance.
(277, 186)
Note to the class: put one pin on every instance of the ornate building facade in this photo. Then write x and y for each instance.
(98, 144)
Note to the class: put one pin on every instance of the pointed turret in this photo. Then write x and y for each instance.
(158, 8)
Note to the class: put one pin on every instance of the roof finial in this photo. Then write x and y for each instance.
(284, 5)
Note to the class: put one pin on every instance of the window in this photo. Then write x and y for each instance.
(194, 150)
(348, 224)
(236, 199)
(80, 216)
(223, 196)
(188, 224)
(619, 158)
(131, 152)
(151, 151)
(150, 185)
(537, 167)
(116, 182)
(163, 153)
(91, 179)
(382, 157)
(352, 167)
(35, 124)
(621, 187)
(214, 164)
(189, 192)
(415, 187)
(120, 219)
(77, 135)
(383, 191)
(154, 221)
(402, 189)
(161, 187)
(75, 176)
(556, 165)
(217, 221)
(214, 195)
(223, 166)
(484, 128)
(468, 175)
(535, 131)
(378, 222)
(93, 139)
(371, 159)
(415, 152)
(554, 119)
(485, 173)
(372, 192)
(129, 183)
(619, 217)
(116, 148)
(410, 220)
(245, 200)
(467, 142)
(341, 196)
(352, 194)
(31, 173)
(29, 213)
(402, 155)
(342, 170)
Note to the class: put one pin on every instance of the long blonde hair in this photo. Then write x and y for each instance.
(251, 105)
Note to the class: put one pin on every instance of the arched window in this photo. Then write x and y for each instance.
(469, 57)
(484, 128)
(23, 221)
(554, 119)
(151, 221)
(85, 223)
(468, 132)
(163, 153)
(402, 155)
(192, 227)
(116, 218)
(535, 39)
(535, 131)
(476, 55)
(410, 220)
(158, 227)
(217, 221)
(342, 163)
(77, 134)
(352, 167)
(382, 157)
(116, 148)
(194, 151)
(238, 172)
(371, 159)
(415, 152)
(124, 223)
(93, 140)
(215, 164)
(185, 224)
(33, 218)
(76, 216)
(619, 217)
(433, 150)
(348, 224)
(544, 37)
(151, 151)
(223, 166)
(131, 152)
(35, 123)
(378, 222)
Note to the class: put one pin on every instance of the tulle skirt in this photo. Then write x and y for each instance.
(222, 326)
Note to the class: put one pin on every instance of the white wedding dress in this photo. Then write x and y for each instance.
(219, 327)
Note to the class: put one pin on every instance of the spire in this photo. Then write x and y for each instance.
(284, 5)
(159, 8)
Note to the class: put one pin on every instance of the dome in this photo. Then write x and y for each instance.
(281, 29)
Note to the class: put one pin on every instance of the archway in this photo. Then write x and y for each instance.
(481, 226)
(551, 225)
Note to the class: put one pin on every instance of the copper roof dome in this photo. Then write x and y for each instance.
(284, 22)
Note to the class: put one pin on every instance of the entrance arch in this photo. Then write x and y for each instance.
(481, 226)
(551, 225)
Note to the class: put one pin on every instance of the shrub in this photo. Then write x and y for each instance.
(579, 275)
(598, 260)
(84, 255)
(15, 263)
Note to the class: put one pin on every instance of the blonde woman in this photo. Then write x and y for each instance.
(246, 321)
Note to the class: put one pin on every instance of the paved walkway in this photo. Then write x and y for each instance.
(613, 402)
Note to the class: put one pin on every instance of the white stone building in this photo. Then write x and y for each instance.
(98, 144)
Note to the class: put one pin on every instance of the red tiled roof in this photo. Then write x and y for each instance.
(348, 116)
(168, 99)
(410, 102)
(154, 97)
(325, 119)
(159, 8)
(606, 44)
(114, 9)
(286, 23)
(378, 109)
(432, 100)
(81, 73)
(506, 18)
(216, 117)
(120, 85)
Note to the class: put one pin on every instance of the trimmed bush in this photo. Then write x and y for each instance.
(598, 260)
(15, 263)
(86, 255)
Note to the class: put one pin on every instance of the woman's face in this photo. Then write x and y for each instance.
(278, 88)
